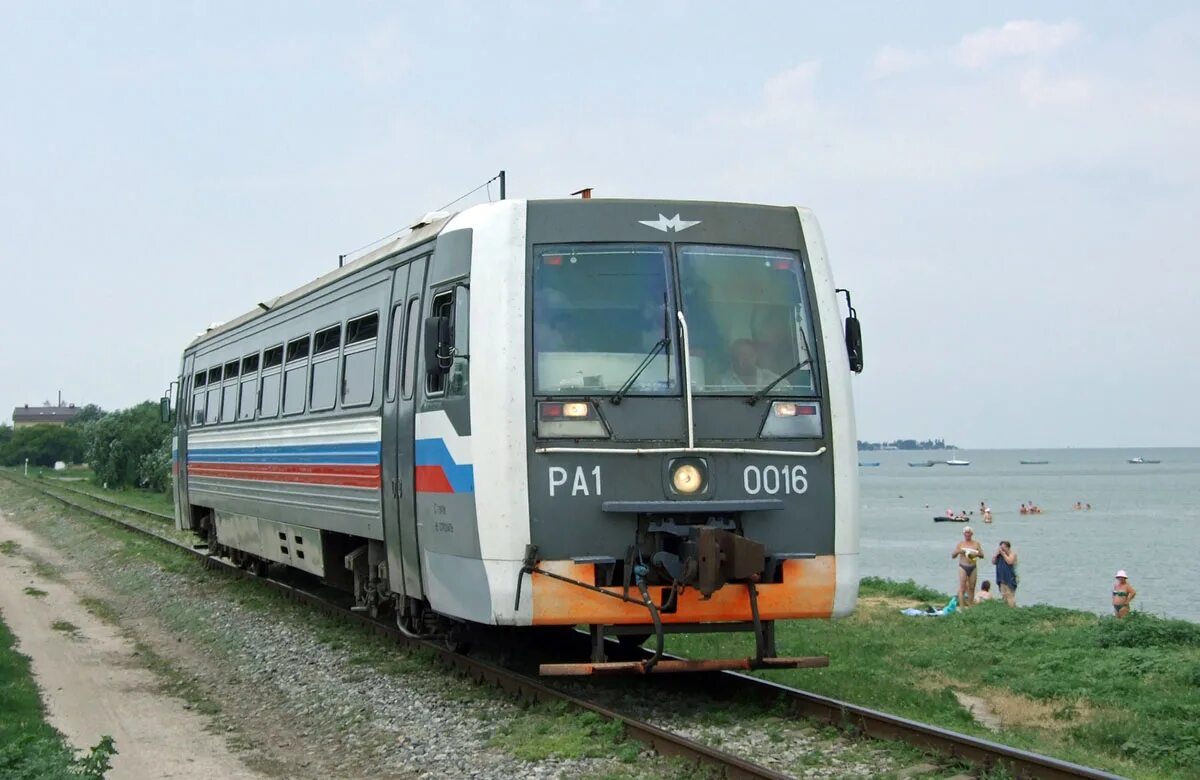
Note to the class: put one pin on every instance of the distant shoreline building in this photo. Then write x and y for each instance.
(46, 414)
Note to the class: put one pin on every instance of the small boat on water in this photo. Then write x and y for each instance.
(1143, 460)
(1034, 462)
(944, 519)
(922, 465)
(868, 465)
(958, 463)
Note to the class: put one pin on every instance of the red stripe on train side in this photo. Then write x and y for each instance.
(431, 479)
(345, 476)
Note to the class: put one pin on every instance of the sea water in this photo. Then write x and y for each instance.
(1145, 519)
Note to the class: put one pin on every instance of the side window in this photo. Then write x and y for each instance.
(411, 329)
(272, 379)
(212, 412)
(395, 351)
(295, 374)
(198, 397)
(248, 394)
(229, 392)
(443, 306)
(358, 365)
(323, 377)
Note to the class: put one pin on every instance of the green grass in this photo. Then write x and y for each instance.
(30, 749)
(1121, 695)
(37, 593)
(558, 731)
(65, 626)
(9, 547)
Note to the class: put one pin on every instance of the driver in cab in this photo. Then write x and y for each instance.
(743, 367)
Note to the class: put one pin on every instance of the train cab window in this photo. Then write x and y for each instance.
(443, 306)
(409, 369)
(604, 318)
(229, 392)
(248, 392)
(748, 315)
(272, 379)
(323, 378)
(295, 376)
(358, 364)
(198, 397)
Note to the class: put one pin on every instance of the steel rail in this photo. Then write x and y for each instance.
(661, 741)
(864, 720)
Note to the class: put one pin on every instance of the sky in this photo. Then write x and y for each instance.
(1010, 190)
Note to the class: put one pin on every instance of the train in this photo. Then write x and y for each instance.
(629, 416)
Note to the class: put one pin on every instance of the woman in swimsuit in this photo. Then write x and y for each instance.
(1122, 594)
(968, 552)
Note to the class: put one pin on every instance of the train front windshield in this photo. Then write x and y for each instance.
(602, 310)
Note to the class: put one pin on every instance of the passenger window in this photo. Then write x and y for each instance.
(248, 394)
(324, 369)
(229, 392)
(213, 412)
(268, 396)
(358, 365)
(395, 351)
(409, 376)
(295, 374)
(198, 398)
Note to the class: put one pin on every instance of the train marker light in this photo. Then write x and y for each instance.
(570, 420)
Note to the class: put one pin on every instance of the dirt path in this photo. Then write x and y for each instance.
(91, 678)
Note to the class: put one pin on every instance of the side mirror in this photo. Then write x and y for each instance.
(462, 321)
(437, 344)
(164, 408)
(854, 345)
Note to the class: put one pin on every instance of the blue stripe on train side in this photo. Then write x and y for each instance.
(364, 453)
(433, 452)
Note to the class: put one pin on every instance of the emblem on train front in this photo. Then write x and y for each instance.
(667, 225)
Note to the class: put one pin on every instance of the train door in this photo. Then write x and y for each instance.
(400, 520)
(183, 412)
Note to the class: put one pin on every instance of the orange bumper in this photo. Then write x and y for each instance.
(807, 591)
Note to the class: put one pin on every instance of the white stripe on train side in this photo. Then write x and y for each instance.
(841, 416)
(498, 397)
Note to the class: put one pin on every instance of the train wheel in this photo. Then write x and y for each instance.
(458, 639)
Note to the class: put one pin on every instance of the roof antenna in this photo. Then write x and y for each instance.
(585, 193)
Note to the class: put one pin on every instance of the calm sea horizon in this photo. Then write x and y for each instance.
(1145, 518)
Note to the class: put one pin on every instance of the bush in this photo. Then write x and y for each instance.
(1142, 630)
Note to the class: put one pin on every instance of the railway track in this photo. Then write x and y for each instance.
(851, 717)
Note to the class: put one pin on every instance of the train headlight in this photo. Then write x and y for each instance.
(569, 420)
(689, 476)
(687, 479)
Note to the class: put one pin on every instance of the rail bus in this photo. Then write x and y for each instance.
(633, 416)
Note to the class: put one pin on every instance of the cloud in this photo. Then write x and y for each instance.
(1019, 38)
(1040, 89)
(792, 88)
(893, 60)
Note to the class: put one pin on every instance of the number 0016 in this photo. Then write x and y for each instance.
(773, 480)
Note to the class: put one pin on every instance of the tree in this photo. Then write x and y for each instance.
(119, 443)
(87, 414)
(43, 445)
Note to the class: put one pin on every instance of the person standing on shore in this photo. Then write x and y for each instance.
(1122, 594)
(968, 552)
(1006, 572)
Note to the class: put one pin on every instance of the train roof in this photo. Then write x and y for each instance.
(428, 227)
(423, 230)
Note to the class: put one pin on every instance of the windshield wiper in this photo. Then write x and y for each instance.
(752, 400)
(659, 346)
